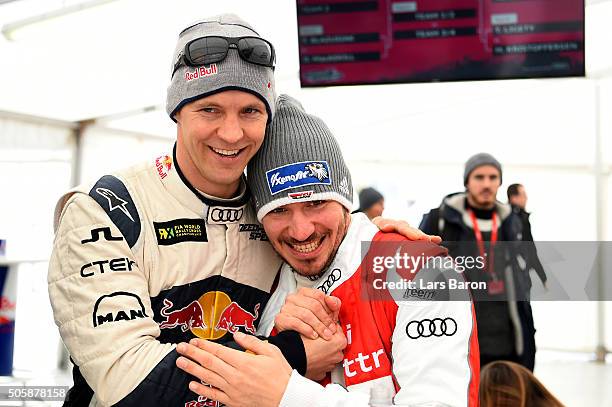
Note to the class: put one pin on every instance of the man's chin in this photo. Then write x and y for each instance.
(485, 202)
(305, 271)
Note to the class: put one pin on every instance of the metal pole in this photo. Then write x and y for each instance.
(77, 160)
(600, 218)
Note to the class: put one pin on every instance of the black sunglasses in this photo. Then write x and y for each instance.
(208, 50)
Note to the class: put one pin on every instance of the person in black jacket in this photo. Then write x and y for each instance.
(517, 198)
(473, 223)
(371, 202)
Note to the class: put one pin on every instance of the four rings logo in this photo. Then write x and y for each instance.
(331, 279)
(225, 215)
(431, 327)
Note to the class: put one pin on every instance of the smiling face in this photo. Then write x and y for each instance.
(216, 137)
(307, 234)
(482, 186)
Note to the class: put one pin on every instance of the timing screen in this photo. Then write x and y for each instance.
(386, 41)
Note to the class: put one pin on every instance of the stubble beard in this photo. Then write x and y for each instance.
(342, 229)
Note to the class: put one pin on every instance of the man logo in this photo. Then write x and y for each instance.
(431, 327)
(225, 215)
(118, 306)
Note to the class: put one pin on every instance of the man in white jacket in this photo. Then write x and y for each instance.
(406, 346)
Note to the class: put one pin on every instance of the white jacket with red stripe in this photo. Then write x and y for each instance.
(407, 343)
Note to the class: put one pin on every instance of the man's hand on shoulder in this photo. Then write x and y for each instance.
(403, 228)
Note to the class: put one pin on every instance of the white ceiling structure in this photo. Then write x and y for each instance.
(113, 58)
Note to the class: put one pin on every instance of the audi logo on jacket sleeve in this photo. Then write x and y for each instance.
(427, 328)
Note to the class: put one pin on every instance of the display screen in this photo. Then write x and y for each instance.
(365, 42)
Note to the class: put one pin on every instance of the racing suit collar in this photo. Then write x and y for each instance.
(214, 210)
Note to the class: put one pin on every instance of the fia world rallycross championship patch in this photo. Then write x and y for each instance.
(298, 175)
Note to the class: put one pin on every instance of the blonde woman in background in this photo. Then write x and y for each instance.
(508, 384)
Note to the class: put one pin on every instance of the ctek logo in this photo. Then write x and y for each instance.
(298, 175)
(180, 230)
(119, 306)
(201, 72)
(121, 264)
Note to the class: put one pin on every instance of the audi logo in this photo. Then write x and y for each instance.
(431, 327)
(226, 214)
(331, 279)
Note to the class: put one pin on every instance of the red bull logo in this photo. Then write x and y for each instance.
(6, 304)
(203, 402)
(211, 316)
(234, 316)
(187, 317)
(201, 72)
(163, 165)
(7, 311)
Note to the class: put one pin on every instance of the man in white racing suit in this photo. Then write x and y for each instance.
(171, 249)
(406, 345)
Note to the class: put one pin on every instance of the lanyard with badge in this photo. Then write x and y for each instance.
(495, 286)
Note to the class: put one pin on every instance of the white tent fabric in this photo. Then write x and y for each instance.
(409, 141)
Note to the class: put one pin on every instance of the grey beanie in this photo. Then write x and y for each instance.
(478, 160)
(299, 161)
(233, 73)
(368, 197)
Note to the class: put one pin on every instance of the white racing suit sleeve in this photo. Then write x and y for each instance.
(433, 371)
(101, 303)
(300, 389)
(433, 350)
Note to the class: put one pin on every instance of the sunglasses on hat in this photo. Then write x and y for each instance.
(208, 50)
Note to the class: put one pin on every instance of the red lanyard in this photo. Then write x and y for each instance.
(479, 239)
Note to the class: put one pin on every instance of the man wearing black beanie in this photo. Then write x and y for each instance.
(371, 202)
(475, 223)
